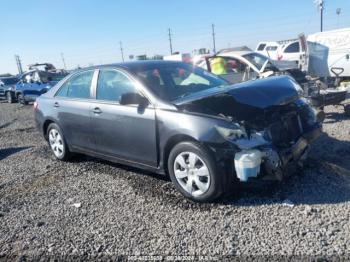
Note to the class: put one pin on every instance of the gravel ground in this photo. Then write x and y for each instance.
(89, 207)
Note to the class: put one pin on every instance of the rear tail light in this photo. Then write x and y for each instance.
(36, 105)
(279, 57)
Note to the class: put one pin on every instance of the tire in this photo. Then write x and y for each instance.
(21, 99)
(57, 142)
(10, 98)
(347, 110)
(193, 171)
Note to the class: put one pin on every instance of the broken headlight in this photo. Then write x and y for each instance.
(234, 132)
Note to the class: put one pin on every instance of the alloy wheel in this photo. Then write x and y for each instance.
(192, 173)
(56, 142)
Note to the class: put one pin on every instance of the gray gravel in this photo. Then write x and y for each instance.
(96, 208)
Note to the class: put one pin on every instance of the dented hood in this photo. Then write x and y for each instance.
(263, 93)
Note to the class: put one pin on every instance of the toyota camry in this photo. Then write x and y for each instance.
(182, 121)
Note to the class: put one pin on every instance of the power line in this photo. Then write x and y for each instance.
(121, 50)
(171, 45)
(213, 33)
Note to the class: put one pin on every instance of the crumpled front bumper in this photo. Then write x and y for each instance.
(278, 164)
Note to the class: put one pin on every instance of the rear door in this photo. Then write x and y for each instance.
(127, 132)
(72, 103)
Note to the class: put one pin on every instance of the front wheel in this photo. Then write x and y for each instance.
(194, 173)
(57, 142)
(347, 110)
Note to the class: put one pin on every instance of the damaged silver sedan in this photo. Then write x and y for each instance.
(173, 119)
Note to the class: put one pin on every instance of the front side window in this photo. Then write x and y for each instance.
(256, 59)
(261, 47)
(176, 80)
(292, 48)
(111, 85)
(271, 48)
(28, 78)
(78, 86)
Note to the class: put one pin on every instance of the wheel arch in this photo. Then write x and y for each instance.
(46, 124)
(173, 141)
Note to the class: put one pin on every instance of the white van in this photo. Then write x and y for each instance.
(268, 49)
(284, 50)
(329, 53)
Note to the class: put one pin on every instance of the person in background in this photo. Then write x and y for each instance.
(218, 66)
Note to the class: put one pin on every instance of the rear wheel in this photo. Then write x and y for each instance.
(10, 98)
(22, 100)
(57, 142)
(194, 173)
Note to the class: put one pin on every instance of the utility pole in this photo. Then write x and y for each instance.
(171, 46)
(213, 33)
(64, 62)
(320, 6)
(321, 10)
(338, 11)
(19, 64)
(121, 50)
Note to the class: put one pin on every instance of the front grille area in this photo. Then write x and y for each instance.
(286, 131)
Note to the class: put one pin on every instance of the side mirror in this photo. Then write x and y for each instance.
(133, 99)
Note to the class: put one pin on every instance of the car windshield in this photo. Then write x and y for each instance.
(9, 81)
(174, 81)
(256, 59)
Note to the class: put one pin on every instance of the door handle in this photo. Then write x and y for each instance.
(56, 104)
(97, 110)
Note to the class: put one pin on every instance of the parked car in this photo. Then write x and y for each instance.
(241, 66)
(268, 49)
(37, 81)
(171, 118)
(292, 50)
(7, 87)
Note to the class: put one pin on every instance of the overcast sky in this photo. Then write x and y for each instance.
(88, 32)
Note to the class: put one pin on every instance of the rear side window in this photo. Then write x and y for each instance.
(78, 86)
(292, 48)
(261, 47)
(111, 85)
(271, 48)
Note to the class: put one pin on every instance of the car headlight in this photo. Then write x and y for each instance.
(234, 132)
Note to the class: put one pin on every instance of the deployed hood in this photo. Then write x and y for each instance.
(263, 93)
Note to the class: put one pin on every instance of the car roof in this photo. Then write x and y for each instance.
(236, 53)
(8, 77)
(135, 64)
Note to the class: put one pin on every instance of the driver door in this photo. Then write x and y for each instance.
(127, 132)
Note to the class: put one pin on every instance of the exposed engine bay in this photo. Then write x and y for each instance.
(280, 126)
